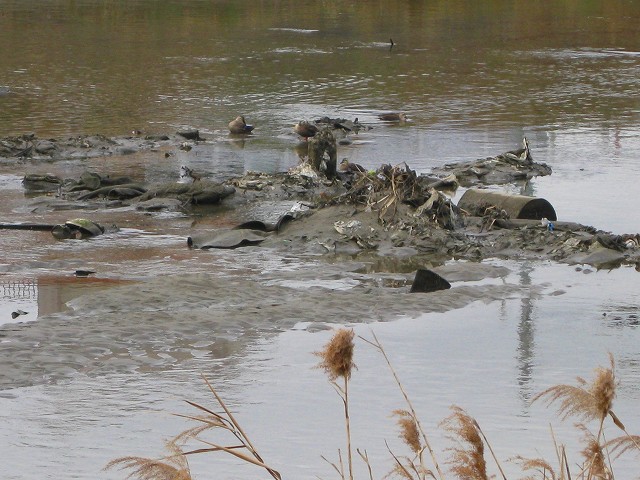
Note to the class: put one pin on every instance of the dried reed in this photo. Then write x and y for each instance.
(596, 459)
(406, 467)
(467, 459)
(173, 467)
(537, 464)
(337, 361)
(227, 422)
(621, 445)
(176, 466)
(378, 346)
(588, 402)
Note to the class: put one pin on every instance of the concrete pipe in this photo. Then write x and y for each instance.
(476, 201)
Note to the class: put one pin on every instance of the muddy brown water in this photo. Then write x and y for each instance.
(93, 369)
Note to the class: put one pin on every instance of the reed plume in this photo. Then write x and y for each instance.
(467, 459)
(337, 362)
(586, 401)
(409, 430)
(173, 467)
(337, 355)
(623, 444)
(538, 465)
(406, 467)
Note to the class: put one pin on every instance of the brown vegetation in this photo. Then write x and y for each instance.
(586, 401)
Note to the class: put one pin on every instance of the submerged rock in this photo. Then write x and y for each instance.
(227, 239)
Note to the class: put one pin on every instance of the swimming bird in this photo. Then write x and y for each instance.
(239, 126)
(393, 117)
(305, 129)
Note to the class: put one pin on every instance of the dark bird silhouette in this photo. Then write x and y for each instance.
(239, 126)
(305, 129)
(393, 117)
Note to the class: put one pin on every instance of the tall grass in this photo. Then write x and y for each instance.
(589, 402)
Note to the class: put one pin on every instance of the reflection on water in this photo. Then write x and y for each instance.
(41, 296)
(526, 331)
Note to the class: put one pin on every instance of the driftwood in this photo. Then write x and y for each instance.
(38, 227)
(197, 193)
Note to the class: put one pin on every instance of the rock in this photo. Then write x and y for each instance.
(190, 134)
(427, 281)
(45, 147)
(41, 183)
(599, 257)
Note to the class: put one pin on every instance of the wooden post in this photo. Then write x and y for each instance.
(323, 153)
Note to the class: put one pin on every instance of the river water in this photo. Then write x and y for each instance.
(473, 78)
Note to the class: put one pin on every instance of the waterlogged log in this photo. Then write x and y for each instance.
(197, 193)
(38, 227)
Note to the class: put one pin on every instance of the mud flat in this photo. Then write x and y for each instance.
(356, 242)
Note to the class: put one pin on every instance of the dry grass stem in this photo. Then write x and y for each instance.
(399, 468)
(561, 454)
(238, 432)
(467, 460)
(365, 459)
(486, 441)
(339, 467)
(378, 346)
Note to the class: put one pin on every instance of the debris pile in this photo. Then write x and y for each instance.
(509, 167)
(390, 186)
